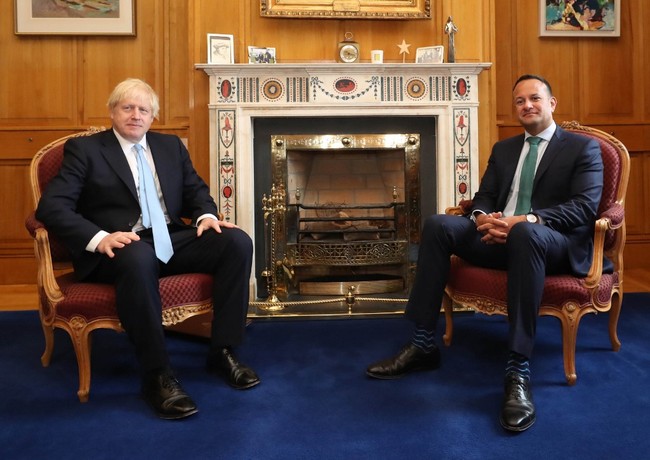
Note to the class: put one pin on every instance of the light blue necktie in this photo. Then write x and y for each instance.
(527, 177)
(152, 213)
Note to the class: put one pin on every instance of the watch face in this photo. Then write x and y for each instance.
(349, 53)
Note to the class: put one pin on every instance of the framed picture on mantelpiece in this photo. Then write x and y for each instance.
(221, 49)
(429, 55)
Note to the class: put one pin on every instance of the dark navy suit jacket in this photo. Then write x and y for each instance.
(95, 190)
(566, 191)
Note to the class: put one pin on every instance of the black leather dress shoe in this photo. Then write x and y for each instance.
(409, 359)
(237, 375)
(166, 396)
(518, 410)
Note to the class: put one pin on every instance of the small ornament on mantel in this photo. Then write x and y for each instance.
(404, 50)
(451, 29)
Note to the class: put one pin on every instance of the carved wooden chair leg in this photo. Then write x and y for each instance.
(614, 313)
(448, 307)
(81, 342)
(48, 334)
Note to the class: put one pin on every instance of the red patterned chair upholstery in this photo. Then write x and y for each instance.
(80, 308)
(566, 297)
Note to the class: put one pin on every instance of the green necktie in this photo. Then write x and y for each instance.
(527, 177)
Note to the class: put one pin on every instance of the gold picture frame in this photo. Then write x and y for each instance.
(364, 9)
(82, 17)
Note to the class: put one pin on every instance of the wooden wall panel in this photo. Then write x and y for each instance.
(48, 101)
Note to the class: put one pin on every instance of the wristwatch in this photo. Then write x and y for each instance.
(532, 218)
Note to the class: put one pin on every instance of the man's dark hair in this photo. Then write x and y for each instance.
(529, 76)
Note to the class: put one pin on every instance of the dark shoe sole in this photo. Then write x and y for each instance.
(215, 370)
(516, 429)
(164, 416)
(176, 417)
(399, 376)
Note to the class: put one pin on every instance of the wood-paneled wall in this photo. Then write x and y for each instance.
(54, 85)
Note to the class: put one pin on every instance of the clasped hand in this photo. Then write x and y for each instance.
(495, 227)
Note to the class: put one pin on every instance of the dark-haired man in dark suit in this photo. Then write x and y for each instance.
(533, 215)
(112, 189)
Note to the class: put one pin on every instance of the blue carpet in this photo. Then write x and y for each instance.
(315, 401)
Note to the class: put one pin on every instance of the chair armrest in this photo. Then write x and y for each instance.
(611, 219)
(463, 208)
(46, 279)
(615, 214)
(32, 224)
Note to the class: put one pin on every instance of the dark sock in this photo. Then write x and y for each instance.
(424, 339)
(519, 364)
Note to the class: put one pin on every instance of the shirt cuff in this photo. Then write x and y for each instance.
(94, 242)
(203, 216)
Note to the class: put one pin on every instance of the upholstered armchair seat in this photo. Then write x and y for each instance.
(491, 286)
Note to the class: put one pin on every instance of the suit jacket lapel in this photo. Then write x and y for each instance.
(552, 151)
(158, 152)
(114, 156)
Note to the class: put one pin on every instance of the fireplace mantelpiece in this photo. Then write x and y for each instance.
(239, 93)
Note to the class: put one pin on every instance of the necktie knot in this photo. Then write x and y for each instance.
(532, 140)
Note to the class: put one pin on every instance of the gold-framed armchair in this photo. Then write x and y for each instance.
(80, 308)
(565, 297)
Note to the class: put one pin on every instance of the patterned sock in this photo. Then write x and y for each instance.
(424, 339)
(518, 363)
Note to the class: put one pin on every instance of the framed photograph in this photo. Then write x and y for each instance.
(429, 55)
(579, 18)
(258, 55)
(221, 49)
(79, 17)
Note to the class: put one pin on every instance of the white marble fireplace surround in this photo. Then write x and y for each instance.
(240, 93)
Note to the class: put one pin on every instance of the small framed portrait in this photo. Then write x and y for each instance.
(257, 55)
(429, 55)
(221, 49)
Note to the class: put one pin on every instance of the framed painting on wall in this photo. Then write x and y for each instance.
(221, 49)
(81, 17)
(579, 18)
(341, 9)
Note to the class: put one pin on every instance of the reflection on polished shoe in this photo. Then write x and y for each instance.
(238, 375)
(409, 359)
(518, 410)
(166, 396)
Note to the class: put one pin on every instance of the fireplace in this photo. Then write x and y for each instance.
(324, 239)
(350, 213)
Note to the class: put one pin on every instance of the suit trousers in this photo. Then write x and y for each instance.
(135, 272)
(530, 252)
